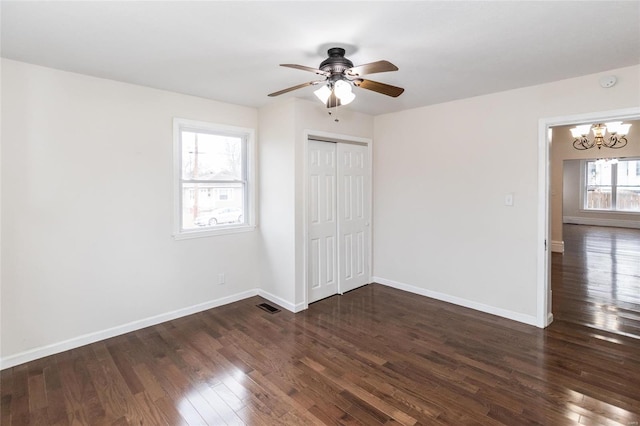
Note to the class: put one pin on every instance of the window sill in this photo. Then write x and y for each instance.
(202, 233)
(621, 212)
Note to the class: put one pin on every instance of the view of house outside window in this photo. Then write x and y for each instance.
(612, 185)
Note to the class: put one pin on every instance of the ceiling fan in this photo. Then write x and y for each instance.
(340, 75)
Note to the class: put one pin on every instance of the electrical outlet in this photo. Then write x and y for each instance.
(221, 279)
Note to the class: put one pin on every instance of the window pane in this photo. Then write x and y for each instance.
(212, 204)
(211, 157)
(598, 197)
(628, 198)
(599, 173)
(628, 172)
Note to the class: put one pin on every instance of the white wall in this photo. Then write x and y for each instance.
(561, 151)
(440, 177)
(87, 211)
(570, 194)
(1, 298)
(277, 206)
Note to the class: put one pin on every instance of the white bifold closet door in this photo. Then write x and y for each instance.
(338, 218)
(353, 209)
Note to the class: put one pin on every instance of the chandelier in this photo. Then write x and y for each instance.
(617, 132)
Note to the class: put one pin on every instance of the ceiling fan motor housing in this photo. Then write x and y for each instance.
(336, 63)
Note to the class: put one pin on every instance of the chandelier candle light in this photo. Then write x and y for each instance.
(617, 131)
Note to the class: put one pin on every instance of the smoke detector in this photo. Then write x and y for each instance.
(608, 81)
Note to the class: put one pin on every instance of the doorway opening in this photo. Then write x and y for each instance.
(544, 315)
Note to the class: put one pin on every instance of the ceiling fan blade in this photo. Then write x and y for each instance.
(299, 86)
(385, 89)
(372, 68)
(303, 68)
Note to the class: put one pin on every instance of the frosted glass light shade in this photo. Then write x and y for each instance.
(579, 131)
(599, 130)
(616, 127)
(323, 93)
(613, 126)
(584, 129)
(342, 89)
(623, 129)
(348, 98)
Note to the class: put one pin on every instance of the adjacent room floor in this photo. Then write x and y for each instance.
(373, 356)
(596, 282)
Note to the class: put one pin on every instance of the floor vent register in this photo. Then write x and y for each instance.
(268, 308)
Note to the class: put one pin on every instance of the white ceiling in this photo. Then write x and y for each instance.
(230, 51)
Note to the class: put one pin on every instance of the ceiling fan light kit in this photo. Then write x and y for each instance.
(340, 78)
(617, 139)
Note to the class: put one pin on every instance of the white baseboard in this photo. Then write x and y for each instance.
(557, 246)
(76, 342)
(526, 319)
(549, 319)
(280, 301)
(617, 223)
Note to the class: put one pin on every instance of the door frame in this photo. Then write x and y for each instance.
(335, 138)
(544, 316)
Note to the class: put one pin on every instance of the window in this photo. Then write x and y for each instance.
(612, 185)
(213, 171)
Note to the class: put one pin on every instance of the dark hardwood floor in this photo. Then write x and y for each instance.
(596, 282)
(373, 356)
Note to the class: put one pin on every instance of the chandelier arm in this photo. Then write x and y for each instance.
(616, 142)
(582, 144)
(578, 145)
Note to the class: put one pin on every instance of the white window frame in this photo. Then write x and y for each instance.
(248, 135)
(584, 180)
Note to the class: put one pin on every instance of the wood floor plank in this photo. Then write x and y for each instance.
(19, 408)
(169, 411)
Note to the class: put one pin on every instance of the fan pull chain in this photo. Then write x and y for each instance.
(335, 116)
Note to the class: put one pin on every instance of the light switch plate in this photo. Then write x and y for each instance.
(508, 199)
